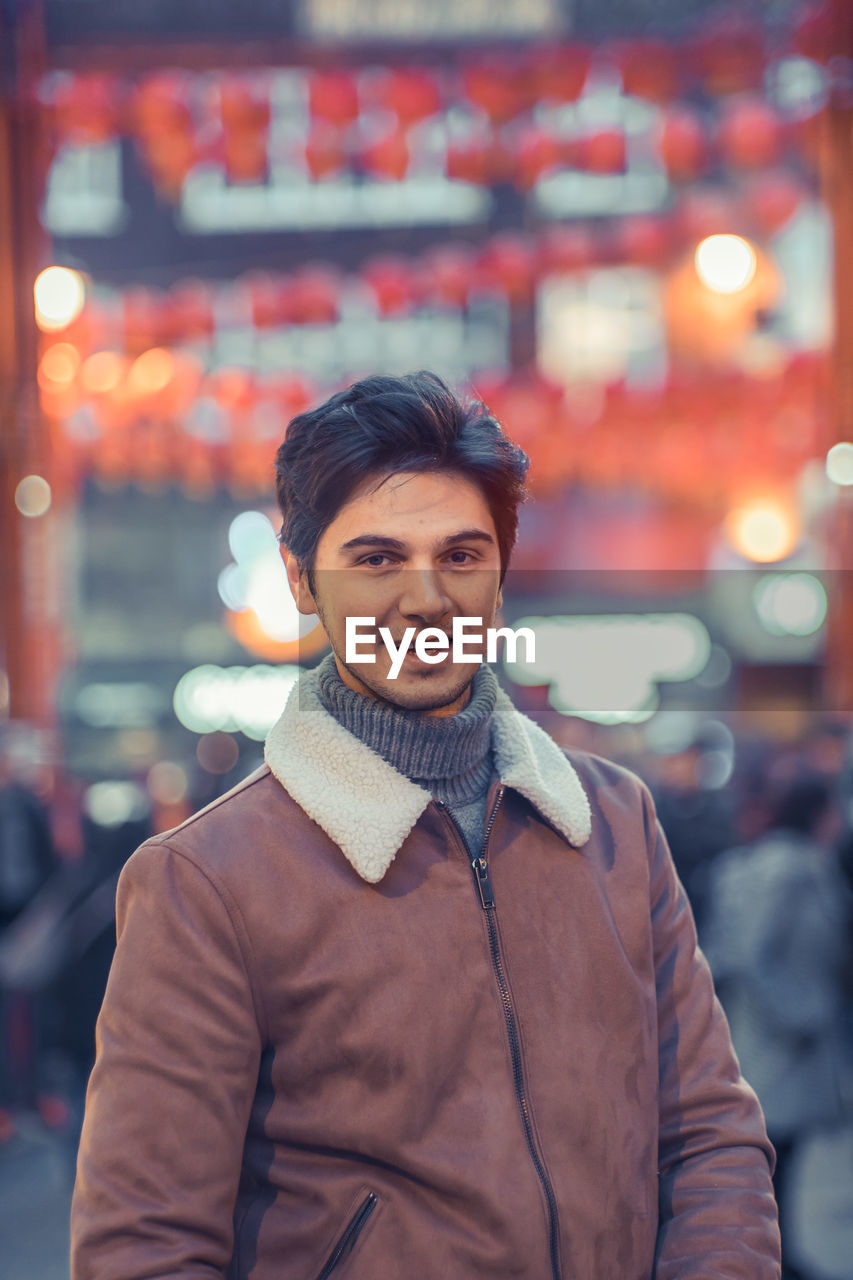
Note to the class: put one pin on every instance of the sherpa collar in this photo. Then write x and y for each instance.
(368, 808)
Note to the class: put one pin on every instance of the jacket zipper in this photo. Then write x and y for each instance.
(483, 881)
(351, 1233)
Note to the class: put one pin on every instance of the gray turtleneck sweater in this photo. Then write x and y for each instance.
(450, 756)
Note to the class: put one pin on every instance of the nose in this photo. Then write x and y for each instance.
(423, 602)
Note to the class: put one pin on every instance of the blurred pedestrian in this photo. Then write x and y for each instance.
(26, 862)
(777, 942)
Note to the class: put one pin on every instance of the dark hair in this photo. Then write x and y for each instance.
(383, 425)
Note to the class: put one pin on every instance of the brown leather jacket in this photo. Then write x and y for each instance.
(330, 1048)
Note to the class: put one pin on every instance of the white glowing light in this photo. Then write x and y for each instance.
(111, 804)
(59, 295)
(839, 463)
(257, 580)
(763, 530)
(33, 496)
(607, 668)
(244, 699)
(790, 604)
(725, 263)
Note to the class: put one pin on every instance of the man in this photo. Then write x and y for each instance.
(420, 999)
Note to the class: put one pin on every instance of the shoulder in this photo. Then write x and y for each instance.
(230, 836)
(612, 789)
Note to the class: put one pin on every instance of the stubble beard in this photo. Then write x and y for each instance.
(424, 699)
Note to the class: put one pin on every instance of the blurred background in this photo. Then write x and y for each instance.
(628, 227)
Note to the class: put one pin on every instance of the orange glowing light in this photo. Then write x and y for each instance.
(102, 372)
(58, 367)
(151, 372)
(763, 530)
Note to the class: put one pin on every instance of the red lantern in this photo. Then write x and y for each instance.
(643, 239)
(509, 263)
(530, 404)
(333, 96)
(728, 55)
(233, 387)
(559, 74)
(144, 314)
(244, 105)
(244, 155)
(750, 133)
(86, 108)
(325, 151)
(603, 152)
(244, 110)
(189, 310)
(535, 153)
(478, 160)
(773, 198)
(311, 296)
(292, 394)
(684, 143)
(387, 157)
(498, 88)
(649, 69)
(448, 274)
(160, 105)
(567, 247)
(391, 280)
(268, 298)
(411, 93)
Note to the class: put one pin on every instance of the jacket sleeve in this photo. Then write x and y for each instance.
(717, 1209)
(167, 1107)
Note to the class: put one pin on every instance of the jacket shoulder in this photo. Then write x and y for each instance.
(602, 777)
(220, 836)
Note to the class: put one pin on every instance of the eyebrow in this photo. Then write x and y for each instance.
(394, 544)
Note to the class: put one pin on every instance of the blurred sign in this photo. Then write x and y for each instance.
(438, 20)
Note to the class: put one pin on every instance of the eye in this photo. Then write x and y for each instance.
(458, 556)
(376, 560)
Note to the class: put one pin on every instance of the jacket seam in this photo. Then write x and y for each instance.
(232, 910)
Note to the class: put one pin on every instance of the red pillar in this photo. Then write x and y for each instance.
(24, 642)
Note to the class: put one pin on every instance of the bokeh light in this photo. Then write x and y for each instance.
(839, 463)
(217, 752)
(60, 295)
(33, 496)
(58, 367)
(151, 372)
(167, 782)
(102, 372)
(725, 263)
(763, 530)
(790, 604)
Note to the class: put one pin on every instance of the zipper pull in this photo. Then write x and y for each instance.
(483, 882)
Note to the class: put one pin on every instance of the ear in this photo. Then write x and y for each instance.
(298, 581)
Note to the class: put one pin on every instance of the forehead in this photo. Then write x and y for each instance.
(412, 503)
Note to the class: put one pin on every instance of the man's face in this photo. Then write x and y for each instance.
(410, 550)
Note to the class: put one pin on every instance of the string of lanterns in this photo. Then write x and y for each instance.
(503, 119)
(161, 419)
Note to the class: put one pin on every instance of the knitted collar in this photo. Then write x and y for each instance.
(425, 748)
(368, 808)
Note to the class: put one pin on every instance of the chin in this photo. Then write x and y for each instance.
(429, 690)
